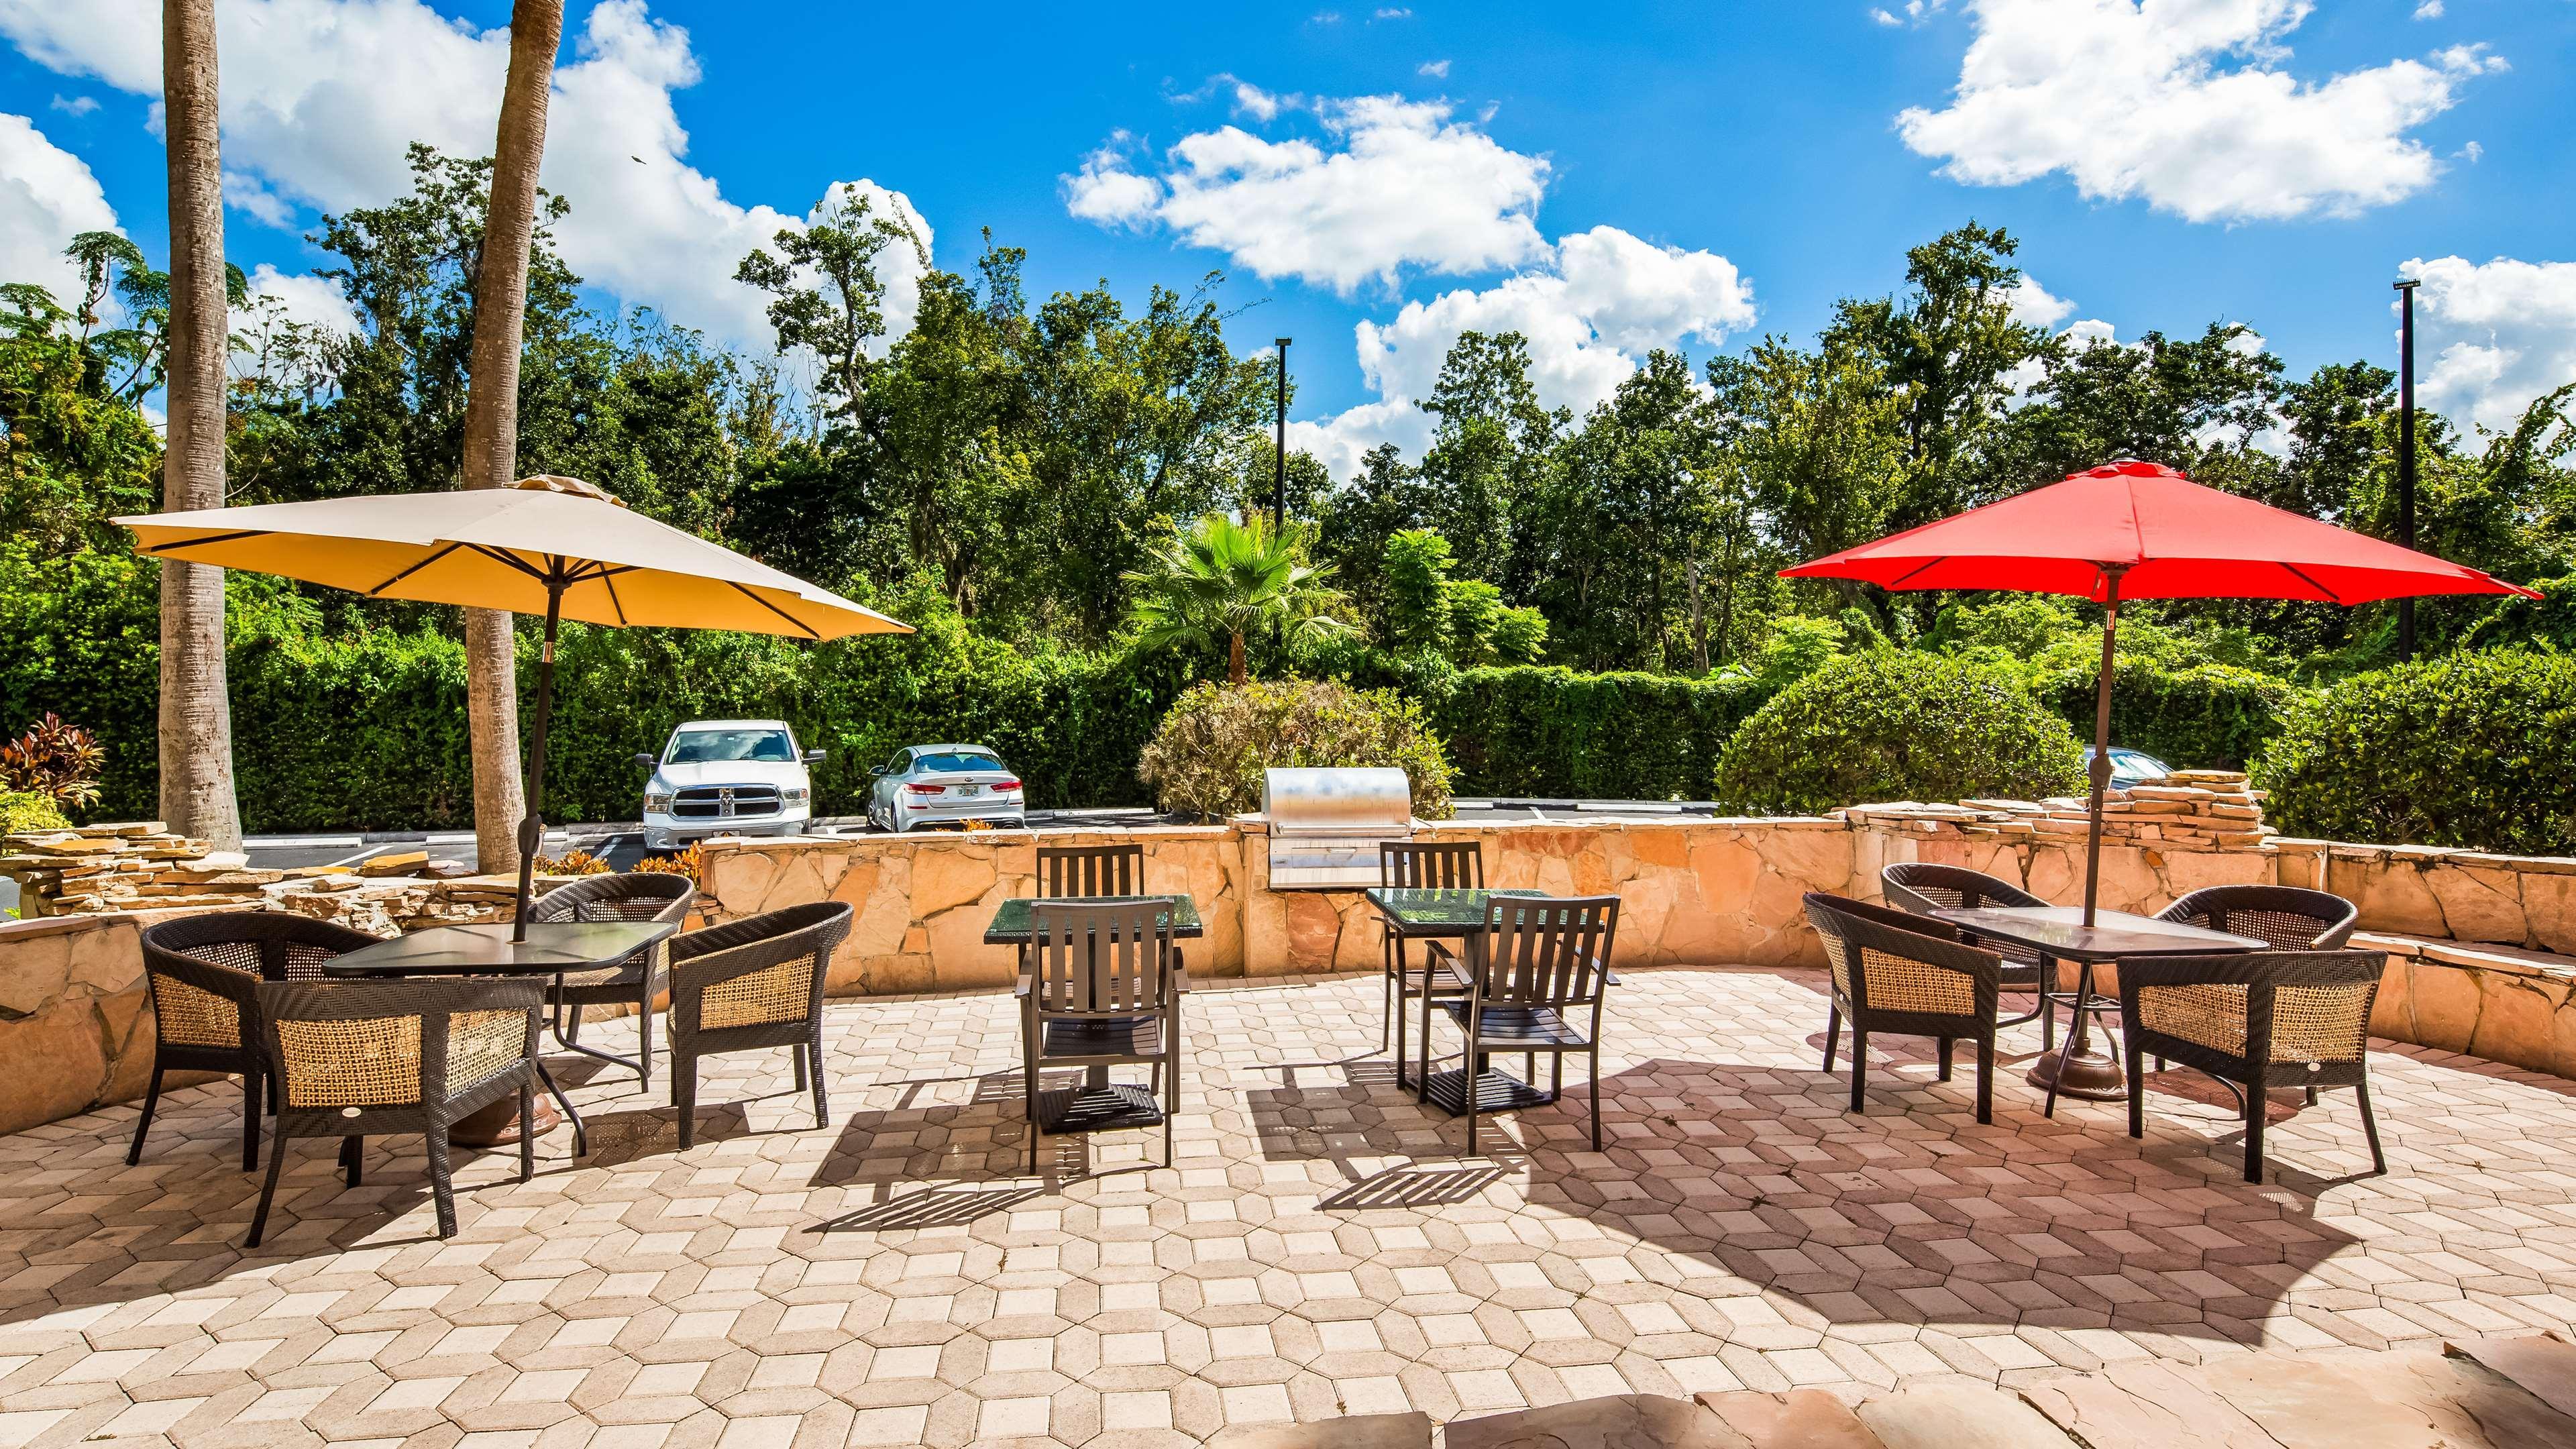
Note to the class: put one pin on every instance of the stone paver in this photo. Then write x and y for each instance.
(1320, 1248)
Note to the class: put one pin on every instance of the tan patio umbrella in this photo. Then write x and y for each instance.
(545, 545)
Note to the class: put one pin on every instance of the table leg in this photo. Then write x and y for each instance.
(2079, 1069)
(556, 1024)
(1403, 968)
(580, 1133)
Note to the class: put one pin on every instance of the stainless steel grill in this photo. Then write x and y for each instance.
(1326, 825)
(725, 802)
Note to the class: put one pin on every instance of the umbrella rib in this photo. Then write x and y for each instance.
(415, 568)
(504, 556)
(801, 625)
(2302, 575)
(1908, 576)
(608, 581)
(162, 548)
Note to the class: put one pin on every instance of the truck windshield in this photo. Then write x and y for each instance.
(701, 747)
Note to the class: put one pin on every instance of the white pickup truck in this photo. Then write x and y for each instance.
(726, 777)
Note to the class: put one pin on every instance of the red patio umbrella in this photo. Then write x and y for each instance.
(2131, 530)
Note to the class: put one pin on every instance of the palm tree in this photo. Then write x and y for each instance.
(196, 712)
(1224, 580)
(492, 414)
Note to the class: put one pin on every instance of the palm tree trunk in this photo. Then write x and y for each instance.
(492, 414)
(1235, 673)
(196, 712)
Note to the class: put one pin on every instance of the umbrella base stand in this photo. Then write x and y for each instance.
(497, 1125)
(2092, 1075)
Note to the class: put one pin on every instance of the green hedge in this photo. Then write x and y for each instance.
(1550, 732)
(2207, 717)
(2469, 750)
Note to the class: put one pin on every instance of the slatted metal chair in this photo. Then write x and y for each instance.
(1102, 987)
(2290, 918)
(1537, 977)
(204, 972)
(1906, 975)
(1422, 865)
(637, 981)
(359, 1059)
(1921, 887)
(2256, 1021)
(750, 985)
(1090, 870)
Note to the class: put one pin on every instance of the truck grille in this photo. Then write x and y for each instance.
(725, 802)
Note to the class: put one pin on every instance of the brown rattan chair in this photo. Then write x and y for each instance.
(205, 973)
(1537, 976)
(1090, 870)
(2255, 1021)
(1101, 987)
(637, 981)
(754, 983)
(1906, 975)
(356, 1059)
(1411, 865)
(2290, 918)
(1921, 887)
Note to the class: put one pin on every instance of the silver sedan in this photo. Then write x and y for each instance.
(945, 785)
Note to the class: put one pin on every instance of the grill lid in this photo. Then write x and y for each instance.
(1375, 802)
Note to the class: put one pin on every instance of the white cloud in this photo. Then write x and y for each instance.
(2429, 10)
(315, 302)
(1397, 185)
(1393, 12)
(321, 96)
(2497, 335)
(2183, 103)
(1436, 69)
(2034, 307)
(1883, 18)
(47, 196)
(75, 105)
(1603, 300)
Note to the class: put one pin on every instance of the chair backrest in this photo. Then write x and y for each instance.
(271, 945)
(397, 1043)
(1891, 962)
(1089, 870)
(1544, 950)
(633, 896)
(1431, 865)
(1923, 887)
(2288, 917)
(763, 970)
(2270, 1006)
(1105, 958)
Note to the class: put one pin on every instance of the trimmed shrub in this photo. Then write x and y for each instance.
(1895, 725)
(2206, 717)
(30, 810)
(1208, 755)
(2470, 750)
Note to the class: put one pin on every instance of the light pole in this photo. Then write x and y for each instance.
(1279, 471)
(2406, 452)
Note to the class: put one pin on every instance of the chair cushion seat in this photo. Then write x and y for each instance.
(1108, 1036)
(1517, 1028)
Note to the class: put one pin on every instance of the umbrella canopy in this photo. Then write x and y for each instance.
(2132, 530)
(498, 548)
(544, 545)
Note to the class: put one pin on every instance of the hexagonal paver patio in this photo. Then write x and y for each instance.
(897, 1278)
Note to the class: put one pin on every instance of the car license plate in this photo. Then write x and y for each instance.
(970, 789)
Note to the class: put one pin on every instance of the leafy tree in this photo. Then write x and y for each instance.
(1488, 455)
(1624, 526)
(1816, 441)
(1227, 580)
(826, 296)
(72, 454)
(2195, 405)
(1462, 621)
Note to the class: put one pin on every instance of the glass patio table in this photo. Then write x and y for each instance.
(1096, 1105)
(2058, 933)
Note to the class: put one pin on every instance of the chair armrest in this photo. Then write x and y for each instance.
(1025, 987)
(1947, 954)
(1180, 979)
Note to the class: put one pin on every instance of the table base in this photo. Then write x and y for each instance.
(1102, 1108)
(2090, 1075)
(497, 1125)
(1496, 1091)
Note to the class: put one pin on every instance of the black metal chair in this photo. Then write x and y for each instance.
(637, 981)
(1102, 987)
(753, 984)
(1090, 870)
(2290, 918)
(1922, 887)
(1906, 975)
(356, 1059)
(2256, 1021)
(204, 972)
(1537, 976)
(1426, 865)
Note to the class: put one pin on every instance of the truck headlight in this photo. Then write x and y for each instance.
(795, 794)
(657, 802)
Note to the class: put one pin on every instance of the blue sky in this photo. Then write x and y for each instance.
(1374, 177)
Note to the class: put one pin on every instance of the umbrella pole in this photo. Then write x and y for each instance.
(532, 830)
(2101, 770)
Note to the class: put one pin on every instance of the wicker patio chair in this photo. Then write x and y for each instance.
(1101, 987)
(2255, 1021)
(752, 984)
(356, 1059)
(1090, 870)
(637, 981)
(205, 973)
(1907, 976)
(1921, 887)
(2290, 918)
(1537, 975)
(1409, 865)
